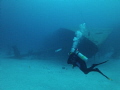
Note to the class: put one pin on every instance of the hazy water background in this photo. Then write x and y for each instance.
(27, 23)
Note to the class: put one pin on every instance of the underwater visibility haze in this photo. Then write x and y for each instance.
(37, 35)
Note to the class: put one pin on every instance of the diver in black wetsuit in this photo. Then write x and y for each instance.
(75, 60)
(78, 59)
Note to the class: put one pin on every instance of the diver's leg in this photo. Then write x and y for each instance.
(83, 68)
(97, 70)
(86, 70)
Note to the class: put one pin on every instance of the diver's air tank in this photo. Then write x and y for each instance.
(83, 57)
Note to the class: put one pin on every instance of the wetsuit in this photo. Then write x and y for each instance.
(76, 61)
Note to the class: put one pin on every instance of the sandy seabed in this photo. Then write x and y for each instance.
(29, 74)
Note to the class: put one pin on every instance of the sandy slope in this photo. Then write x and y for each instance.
(49, 75)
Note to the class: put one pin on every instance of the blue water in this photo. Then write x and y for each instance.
(28, 23)
(24, 22)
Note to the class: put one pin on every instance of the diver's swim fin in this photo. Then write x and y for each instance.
(102, 74)
(94, 65)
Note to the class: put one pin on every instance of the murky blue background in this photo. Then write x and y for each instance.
(27, 23)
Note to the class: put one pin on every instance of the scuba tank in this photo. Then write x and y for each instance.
(80, 55)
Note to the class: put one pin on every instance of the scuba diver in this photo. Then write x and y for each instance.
(78, 59)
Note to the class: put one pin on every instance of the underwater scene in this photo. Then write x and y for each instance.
(59, 44)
